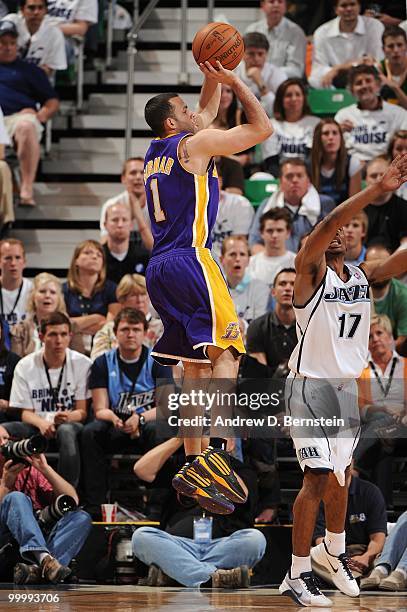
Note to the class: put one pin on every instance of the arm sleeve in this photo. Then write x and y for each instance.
(98, 377)
(255, 339)
(374, 43)
(320, 61)
(20, 396)
(55, 55)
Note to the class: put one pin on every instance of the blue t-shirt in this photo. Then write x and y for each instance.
(77, 305)
(23, 85)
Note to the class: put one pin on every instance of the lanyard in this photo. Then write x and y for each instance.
(54, 390)
(384, 390)
(15, 303)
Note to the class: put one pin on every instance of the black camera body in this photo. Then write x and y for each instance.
(17, 451)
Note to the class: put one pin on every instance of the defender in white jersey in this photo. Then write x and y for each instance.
(331, 302)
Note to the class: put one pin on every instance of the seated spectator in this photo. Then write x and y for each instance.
(24, 87)
(299, 197)
(371, 122)
(6, 184)
(397, 146)
(365, 528)
(14, 288)
(122, 255)
(50, 387)
(232, 174)
(8, 362)
(89, 296)
(355, 234)
(333, 172)
(390, 567)
(293, 126)
(72, 18)
(382, 406)
(123, 383)
(223, 559)
(262, 78)
(24, 490)
(390, 298)
(234, 217)
(135, 198)
(250, 296)
(275, 229)
(394, 66)
(286, 38)
(39, 42)
(387, 214)
(343, 42)
(131, 292)
(229, 114)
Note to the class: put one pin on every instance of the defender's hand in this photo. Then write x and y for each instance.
(396, 174)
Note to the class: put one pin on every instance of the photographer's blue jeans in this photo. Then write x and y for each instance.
(65, 540)
(191, 563)
(394, 553)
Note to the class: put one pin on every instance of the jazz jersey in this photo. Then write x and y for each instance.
(182, 205)
(333, 328)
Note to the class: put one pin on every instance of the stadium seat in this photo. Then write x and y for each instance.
(329, 101)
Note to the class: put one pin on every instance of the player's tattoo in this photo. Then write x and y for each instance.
(185, 154)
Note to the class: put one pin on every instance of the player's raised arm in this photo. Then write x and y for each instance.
(313, 251)
(220, 142)
(208, 104)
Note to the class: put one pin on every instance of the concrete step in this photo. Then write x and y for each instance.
(148, 77)
(111, 146)
(71, 162)
(156, 60)
(112, 102)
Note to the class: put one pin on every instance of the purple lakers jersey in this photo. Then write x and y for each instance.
(182, 206)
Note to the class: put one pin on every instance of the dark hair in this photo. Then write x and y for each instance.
(317, 156)
(336, 2)
(284, 270)
(399, 135)
(131, 159)
(278, 108)
(295, 161)
(157, 110)
(56, 318)
(276, 214)
(131, 315)
(361, 69)
(24, 2)
(257, 40)
(393, 30)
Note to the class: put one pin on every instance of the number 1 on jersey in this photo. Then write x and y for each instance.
(350, 325)
(159, 214)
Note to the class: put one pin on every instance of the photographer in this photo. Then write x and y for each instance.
(23, 491)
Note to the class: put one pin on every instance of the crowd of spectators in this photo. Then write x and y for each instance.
(75, 357)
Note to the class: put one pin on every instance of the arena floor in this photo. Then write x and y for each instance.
(86, 598)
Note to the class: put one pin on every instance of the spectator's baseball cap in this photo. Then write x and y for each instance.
(8, 27)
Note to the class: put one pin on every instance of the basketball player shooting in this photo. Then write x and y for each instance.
(332, 307)
(185, 284)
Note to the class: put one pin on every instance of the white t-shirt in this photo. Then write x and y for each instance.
(372, 129)
(122, 198)
(4, 137)
(31, 389)
(67, 11)
(235, 216)
(250, 298)
(272, 77)
(13, 304)
(45, 47)
(265, 268)
(290, 139)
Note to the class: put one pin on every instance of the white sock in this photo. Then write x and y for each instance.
(335, 542)
(299, 565)
(39, 555)
(382, 569)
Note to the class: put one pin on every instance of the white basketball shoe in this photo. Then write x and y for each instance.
(336, 567)
(304, 590)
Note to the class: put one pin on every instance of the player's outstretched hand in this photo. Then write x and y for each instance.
(396, 174)
(219, 74)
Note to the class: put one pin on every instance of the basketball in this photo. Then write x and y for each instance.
(218, 41)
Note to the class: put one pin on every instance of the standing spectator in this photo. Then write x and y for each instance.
(23, 87)
(333, 172)
(39, 42)
(394, 66)
(387, 214)
(235, 216)
(293, 126)
(8, 362)
(261, 77)
(50, 387)
(131, 292)
(135, 198)
(287, 40)
(14, 289)
(250, 296)
(390, 298)
(299, 198)
(275, 228)
(370, 123)
(122, 255)
(343, 42)
(355, 235)
(123, 383)
(89, 296)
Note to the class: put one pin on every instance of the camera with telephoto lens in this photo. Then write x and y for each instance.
(17, 451)
(49, 515)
